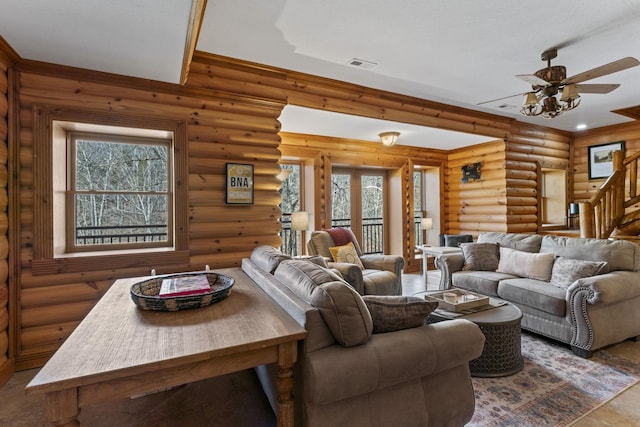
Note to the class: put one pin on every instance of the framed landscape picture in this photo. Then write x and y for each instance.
(239, 184)
(601, 159)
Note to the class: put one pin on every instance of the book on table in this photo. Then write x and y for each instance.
(184, 285)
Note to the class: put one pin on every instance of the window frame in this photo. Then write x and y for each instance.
(71, 191)
(47, 258)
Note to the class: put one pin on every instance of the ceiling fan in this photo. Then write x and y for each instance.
(548, 82)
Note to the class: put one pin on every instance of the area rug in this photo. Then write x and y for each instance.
(555, 388)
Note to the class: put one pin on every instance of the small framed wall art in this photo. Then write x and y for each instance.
(471, 172)
(601, 159)
(239, 184)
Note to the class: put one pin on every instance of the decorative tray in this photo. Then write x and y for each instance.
(457, 299)
(145, 293)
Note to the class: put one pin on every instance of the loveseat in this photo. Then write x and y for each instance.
(583, 292)
(360, 366)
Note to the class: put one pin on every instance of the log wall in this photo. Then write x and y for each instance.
(506, 198)
(221, 128)
(583, 188)
(7, 59)
(476, 206)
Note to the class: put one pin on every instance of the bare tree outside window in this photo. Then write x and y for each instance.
(120, 191)
(291, 202)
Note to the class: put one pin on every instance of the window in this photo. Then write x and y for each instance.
(418, 206)
(113, 197)
(554, 197)
(291, 191)
(120, 192)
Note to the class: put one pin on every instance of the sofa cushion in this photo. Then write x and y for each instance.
(525, 264)
(381, 282)
(518, 241)
(618, 254)
(341, 307)
(480, 256)
(484, 282)
(268, 258)
(393, 313)
(534, 294)
(346, 253)
(567, 270)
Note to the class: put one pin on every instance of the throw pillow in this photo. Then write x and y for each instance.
(344, 312)
(567, 270)
(393, 313)
(346, 253)
(526, 264)
(480, 256)
(340, 306)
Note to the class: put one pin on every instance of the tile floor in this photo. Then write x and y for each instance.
(237, 400)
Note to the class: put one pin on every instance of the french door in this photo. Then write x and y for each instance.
(358, 202)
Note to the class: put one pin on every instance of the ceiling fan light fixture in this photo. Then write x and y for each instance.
(389, 138)
(531, 106)
(569, 93)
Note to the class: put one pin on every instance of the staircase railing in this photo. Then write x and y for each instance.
(600, 215)
(604, 211)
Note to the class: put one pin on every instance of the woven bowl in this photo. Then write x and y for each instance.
(145, 293)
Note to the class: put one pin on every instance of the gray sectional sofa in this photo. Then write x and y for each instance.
(583, 292)
(349, 375)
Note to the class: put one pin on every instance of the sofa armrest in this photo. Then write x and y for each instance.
(393, 263)
(448, 264)
(335, 372)
(606, 288)
(351, 273)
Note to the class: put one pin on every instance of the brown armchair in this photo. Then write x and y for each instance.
(382, 274)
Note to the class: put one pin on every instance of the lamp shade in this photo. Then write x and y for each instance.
(389, 138)
(427, 223)
(574, 209)
(299, 220)
(530, 100)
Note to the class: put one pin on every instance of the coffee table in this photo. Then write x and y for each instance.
(500, 325)
(119, 350)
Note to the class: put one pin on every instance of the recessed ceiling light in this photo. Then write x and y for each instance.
(581, 126)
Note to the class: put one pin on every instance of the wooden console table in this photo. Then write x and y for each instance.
(119, 351)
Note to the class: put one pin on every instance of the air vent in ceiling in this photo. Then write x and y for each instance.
(361, 63)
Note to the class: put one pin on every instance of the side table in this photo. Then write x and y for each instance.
(434, 251)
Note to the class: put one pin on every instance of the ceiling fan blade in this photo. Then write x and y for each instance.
(603, 70)
(597, 88)
(533, 80)
(500, 99)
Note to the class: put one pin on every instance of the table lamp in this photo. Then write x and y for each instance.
(427, 224)
(299, 222)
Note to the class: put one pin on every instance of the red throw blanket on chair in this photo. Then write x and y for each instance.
(340, 236)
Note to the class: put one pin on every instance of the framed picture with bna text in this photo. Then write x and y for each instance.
(601, 159)
(239, 184)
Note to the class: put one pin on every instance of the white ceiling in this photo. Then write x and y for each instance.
(460, 52)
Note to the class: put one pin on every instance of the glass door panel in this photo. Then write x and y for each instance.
(341, 200)
(372, 208)
(358, 202)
